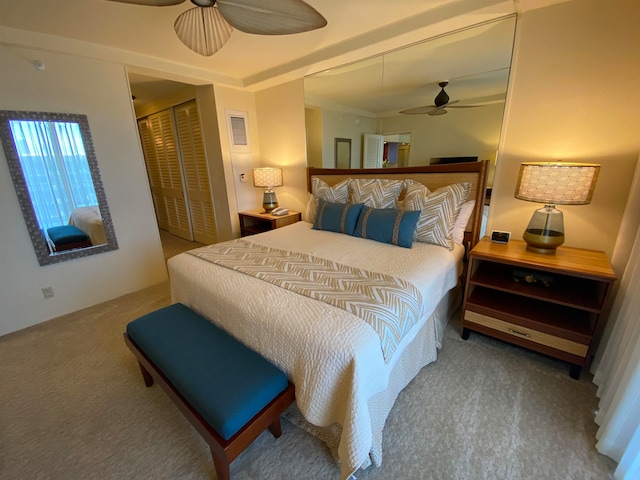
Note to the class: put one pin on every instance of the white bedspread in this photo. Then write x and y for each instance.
(89, 220)
(332, 356)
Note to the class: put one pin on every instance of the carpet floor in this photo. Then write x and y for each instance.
(74, 407)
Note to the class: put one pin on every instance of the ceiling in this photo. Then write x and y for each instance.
(143, 37)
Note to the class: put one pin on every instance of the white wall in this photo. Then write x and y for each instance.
(99, 90)
(281, 127)
(313, 126)
(472, 132)
(573, 95)
(344, 125)
(277, 138)
(242, 196)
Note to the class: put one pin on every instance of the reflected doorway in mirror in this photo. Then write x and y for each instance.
(343, 153)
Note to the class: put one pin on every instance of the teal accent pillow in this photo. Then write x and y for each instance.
(387, 225)
(337, 217)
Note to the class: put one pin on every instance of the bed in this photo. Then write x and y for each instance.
(347, 371)
(89, 220)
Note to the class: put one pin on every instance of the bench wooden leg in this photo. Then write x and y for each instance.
(276, 428)
(148, 378)
(222, 466)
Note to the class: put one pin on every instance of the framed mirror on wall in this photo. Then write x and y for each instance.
(55, 173)
(366, 98)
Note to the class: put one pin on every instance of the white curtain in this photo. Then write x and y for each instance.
(618, 376)
(55, 169)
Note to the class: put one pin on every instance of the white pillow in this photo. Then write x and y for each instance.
(463, 218)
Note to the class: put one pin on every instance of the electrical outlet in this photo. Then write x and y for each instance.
(47, 292)
(243, 178)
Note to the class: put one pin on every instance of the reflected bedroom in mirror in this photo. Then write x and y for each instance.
(426, 103)
(56, 177)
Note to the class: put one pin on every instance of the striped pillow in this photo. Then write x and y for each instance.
(439, 210)
(375, 193)
(339, 193)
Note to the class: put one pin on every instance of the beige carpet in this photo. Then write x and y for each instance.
(74, 407)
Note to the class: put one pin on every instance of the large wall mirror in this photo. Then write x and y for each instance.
(362, 101)
(55, 173)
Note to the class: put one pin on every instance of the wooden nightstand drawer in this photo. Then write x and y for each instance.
(528, 334)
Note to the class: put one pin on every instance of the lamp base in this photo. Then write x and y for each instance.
(540, 241)
(269, 201)
(545, 231)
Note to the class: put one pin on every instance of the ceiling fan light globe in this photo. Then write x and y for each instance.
(203, 3)
(441, 99)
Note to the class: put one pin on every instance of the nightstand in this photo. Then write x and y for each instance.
(552, 304)
(253, 221)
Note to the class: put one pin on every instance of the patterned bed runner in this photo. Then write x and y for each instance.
(390, 305)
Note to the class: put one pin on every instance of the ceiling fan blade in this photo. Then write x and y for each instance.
(437, 111)
(275, 17)
(203, 30)
(465, 106)
(153, 3)
(418, 110)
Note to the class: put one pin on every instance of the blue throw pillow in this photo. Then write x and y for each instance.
(387, 225)
(337, 217)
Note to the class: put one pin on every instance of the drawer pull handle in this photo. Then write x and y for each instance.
(511, 330)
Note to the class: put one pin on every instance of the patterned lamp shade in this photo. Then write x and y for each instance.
(267, 177)
(553, 183)
(557, 183)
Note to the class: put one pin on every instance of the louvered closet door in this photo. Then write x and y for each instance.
(166, 147)
(196, 176)
(153, 172)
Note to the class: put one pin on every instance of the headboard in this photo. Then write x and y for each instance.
(432, 176)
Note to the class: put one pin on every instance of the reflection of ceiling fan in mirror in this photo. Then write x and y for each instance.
(207, 27)
(440, 104)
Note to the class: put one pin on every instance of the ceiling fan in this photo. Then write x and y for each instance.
(207, 27)
(440, 104)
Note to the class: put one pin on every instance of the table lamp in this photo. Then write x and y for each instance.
(553, 183)
(268, 178)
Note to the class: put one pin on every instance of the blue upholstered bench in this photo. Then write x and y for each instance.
(228, 392)
(67, 237)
